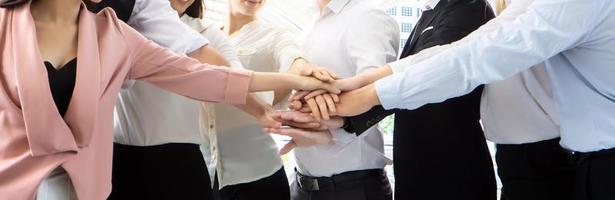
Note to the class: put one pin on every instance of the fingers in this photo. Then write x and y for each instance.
(313, 106)
(336, 98)
(297, 117)
(309, 125)
(322, 106)
(331, 88)
(287, 148)
(314, 94)
(330, 102)
(299, 95)
(295, 105)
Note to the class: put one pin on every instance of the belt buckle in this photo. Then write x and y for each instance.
(310, 184)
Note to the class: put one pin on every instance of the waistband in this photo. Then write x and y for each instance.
(346, 179)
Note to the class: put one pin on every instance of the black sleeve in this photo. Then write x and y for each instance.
(360, 123)
(458, 21)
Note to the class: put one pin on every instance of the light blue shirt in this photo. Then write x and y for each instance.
(575, 39)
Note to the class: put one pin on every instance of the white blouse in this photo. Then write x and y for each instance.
(242, 152)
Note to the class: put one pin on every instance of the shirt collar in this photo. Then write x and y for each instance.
(431, 4)
(336, 6)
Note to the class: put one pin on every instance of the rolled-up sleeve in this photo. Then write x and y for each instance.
(546, 29)
(183, 75)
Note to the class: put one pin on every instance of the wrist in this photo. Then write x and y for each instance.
(297, 65)
(370, 95)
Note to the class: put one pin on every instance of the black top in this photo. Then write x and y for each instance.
(62, 83)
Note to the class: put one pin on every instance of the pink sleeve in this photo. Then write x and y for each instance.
(184, 75)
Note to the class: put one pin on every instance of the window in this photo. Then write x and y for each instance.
(419, 12)
(406, 11)
(406, 27)
(392, 11)
(403, 43)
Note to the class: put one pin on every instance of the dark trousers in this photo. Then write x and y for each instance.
(355, 185)
(535, 171)
(169, 171)
(595, 177)
(274, 187)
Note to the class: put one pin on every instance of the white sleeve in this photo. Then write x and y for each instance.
(220, 42)
(548, 27)
(285, 49)
(513, 11)
(371, 41)
(157, 21)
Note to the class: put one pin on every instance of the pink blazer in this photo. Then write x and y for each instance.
(35, 139)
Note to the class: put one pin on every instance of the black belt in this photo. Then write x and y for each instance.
(346, 179)
(580, 157)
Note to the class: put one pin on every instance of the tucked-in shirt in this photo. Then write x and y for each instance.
(145, 114)
(241, 151)
(519, 109)
(574, 38)
(349, 38)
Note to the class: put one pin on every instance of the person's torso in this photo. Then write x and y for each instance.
(584, 88)
(324, 46)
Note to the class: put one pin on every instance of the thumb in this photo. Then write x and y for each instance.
(287, 148)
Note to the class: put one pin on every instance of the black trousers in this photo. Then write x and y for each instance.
(535, 171)
(595, 175)
(274, 187)
(169, 171)
(355, 185)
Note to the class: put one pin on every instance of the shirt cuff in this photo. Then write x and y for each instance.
(237, 86)
(385, 89)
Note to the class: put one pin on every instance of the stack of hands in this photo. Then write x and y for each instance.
(313, 113)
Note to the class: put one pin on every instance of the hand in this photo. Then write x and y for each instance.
(304, 68)
(321, 106)
(311, 84)
(358, 101)
(305, 121)
(301, 138)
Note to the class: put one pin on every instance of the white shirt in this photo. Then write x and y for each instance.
(519, 109)
(243, 152)
(574, 38)
(146, 115)
(207, 118)
(349, 38)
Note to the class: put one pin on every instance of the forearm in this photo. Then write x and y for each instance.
(255, 106)
(209, 55)
(374, 75)
(267, 81)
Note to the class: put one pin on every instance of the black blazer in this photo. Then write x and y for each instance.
(439, 149)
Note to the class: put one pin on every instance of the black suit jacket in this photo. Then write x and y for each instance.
(439, 149)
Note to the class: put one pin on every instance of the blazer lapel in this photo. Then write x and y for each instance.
(83, 107)
(426, 20)
(46, 131)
